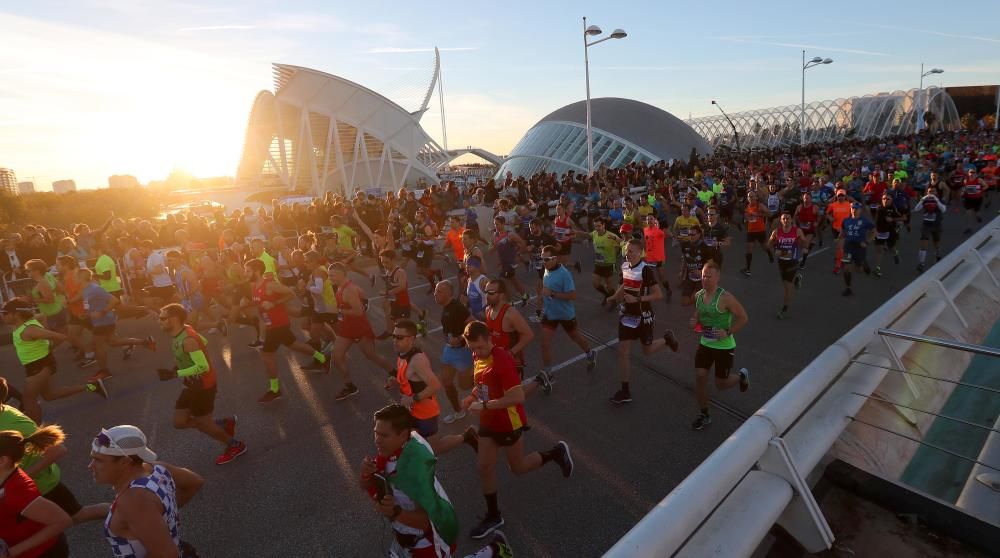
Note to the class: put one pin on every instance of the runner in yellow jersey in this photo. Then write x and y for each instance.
(606, 245)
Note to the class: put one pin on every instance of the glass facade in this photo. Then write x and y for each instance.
(558, 146)
(871, 116)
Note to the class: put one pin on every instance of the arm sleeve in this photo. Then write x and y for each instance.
(200, 365)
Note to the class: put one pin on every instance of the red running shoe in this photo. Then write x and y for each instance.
(231, 453)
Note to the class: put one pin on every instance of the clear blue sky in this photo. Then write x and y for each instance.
(90, 88)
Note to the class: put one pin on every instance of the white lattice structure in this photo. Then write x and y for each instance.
(318, 132)
(871, 116)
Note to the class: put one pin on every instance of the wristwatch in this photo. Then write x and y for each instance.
(396, 510)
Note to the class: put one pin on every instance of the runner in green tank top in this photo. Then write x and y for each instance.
(32, 345)
(606, 246)
(46, 294)
(717, 316)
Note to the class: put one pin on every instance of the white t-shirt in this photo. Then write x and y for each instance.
(154, 260)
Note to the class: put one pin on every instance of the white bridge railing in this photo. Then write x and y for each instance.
(756, 478)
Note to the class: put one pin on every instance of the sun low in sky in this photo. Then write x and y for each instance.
(92, 88)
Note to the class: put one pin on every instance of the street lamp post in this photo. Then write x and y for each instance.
(802, 113)
(736, 136)
(592, 31)
(923, 102)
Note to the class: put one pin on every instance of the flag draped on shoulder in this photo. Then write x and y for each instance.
(415, 477)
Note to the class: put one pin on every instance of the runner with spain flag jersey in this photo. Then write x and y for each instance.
(498, 398)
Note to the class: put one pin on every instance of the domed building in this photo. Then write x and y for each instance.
(623, 130)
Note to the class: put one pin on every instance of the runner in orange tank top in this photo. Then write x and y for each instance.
(836, 211)
(755, 215)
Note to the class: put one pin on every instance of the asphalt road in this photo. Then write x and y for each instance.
(294, 492)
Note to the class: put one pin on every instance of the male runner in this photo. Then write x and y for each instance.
(353, 327)
(197, 400)
(972, 199)
(858, 232)
(694, 253)
(755, 214)
(509, 328)
(638, 291)
(507, 245)
(718, 315)
(887, 222)
(605, 245)
(558, 294)
(787, 240)
(101, 310)
(270, 296)
(456, 358)
(656, 252)
(498, 398)
(930, 227)
(806, 218)
(535, 240)
(836, 211)
(397, 303)
(563, 229)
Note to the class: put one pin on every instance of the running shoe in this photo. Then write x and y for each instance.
(100, 375)
(212, 330)
(448, 419)
(745, 272)
(471, 437)
(348, 391)
(229, 425)
(895, 258)
(544, 381)
(937, 257)
(878, 271)
(127, 353)
(460, 415)
(563, 458)
(256, 344)
(847, 292)
(524, 299)
(269, 396)
(316, 366)
(232, 452)
(797, 281)
(224, 327)
(702, 421)
(500, 547)
(486, 526)
(744, 378)
(621, 397)
(802, 264)
(422, 328)
(97, 386)
(87, 362)
(671, 340)
(782, 314)
(591, 360)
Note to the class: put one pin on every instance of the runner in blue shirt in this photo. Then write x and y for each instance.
(558, 294)
(858, 232)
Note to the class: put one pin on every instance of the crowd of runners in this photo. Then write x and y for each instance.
(307, 277)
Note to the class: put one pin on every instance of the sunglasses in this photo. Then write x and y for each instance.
(548, 258)
(491, 293)
(163, 318)
(105, 441)
(398, 337)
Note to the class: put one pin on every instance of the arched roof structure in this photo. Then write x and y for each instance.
(870, 116)
(623, 131)
(319, 132)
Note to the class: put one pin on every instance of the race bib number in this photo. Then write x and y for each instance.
(930, 217)
(420, 253)
(710, 242)
(784, 254)
(752, 218)
(598, 257)
(630, 321)
(694, 274)
(882, 235)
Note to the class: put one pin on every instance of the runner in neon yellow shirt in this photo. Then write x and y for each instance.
(605, 257)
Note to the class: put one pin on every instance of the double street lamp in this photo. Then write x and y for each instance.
(593, 31)
(802, 113)
(923, 102)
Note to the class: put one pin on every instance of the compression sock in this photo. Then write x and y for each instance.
(492, 508)
(749, 260)
(847, 279)
(274, 385)
(625, 387)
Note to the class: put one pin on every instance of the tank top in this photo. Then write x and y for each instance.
(755, 219)
(477, 298)
(605, 249)
(808, 216)
(506, 249)
(29, 351)
(277, 316)
(788, 243)
(561, 230)
(501, 338)
(49, 308)
(773, 202)
(284, 270)
(73, 288)
(425, 408)
(347, 319)
(162, 484)
(973, 189)
(402, 298)
(205, 380)
(931, 208)
(182, 284)
(710, 318)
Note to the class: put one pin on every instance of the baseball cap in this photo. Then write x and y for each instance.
(123, 440)
(626, 228)
(475, 262)
(841, 192)
(856, 205)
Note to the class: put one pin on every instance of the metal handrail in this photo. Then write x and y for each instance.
(947, 343)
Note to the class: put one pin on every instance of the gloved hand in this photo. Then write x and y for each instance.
(166, 374)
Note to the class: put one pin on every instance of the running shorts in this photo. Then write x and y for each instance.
(35, 367)
(459, 358)
(722, 359)
(502, 439)
(276, 337)
(568, 325)
(199, 401)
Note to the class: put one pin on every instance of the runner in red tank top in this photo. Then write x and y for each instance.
(807, 219)
(972, 199)
(270, 297)
(397, 303)
(563, 229)
(509, 329)
(352, 328)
